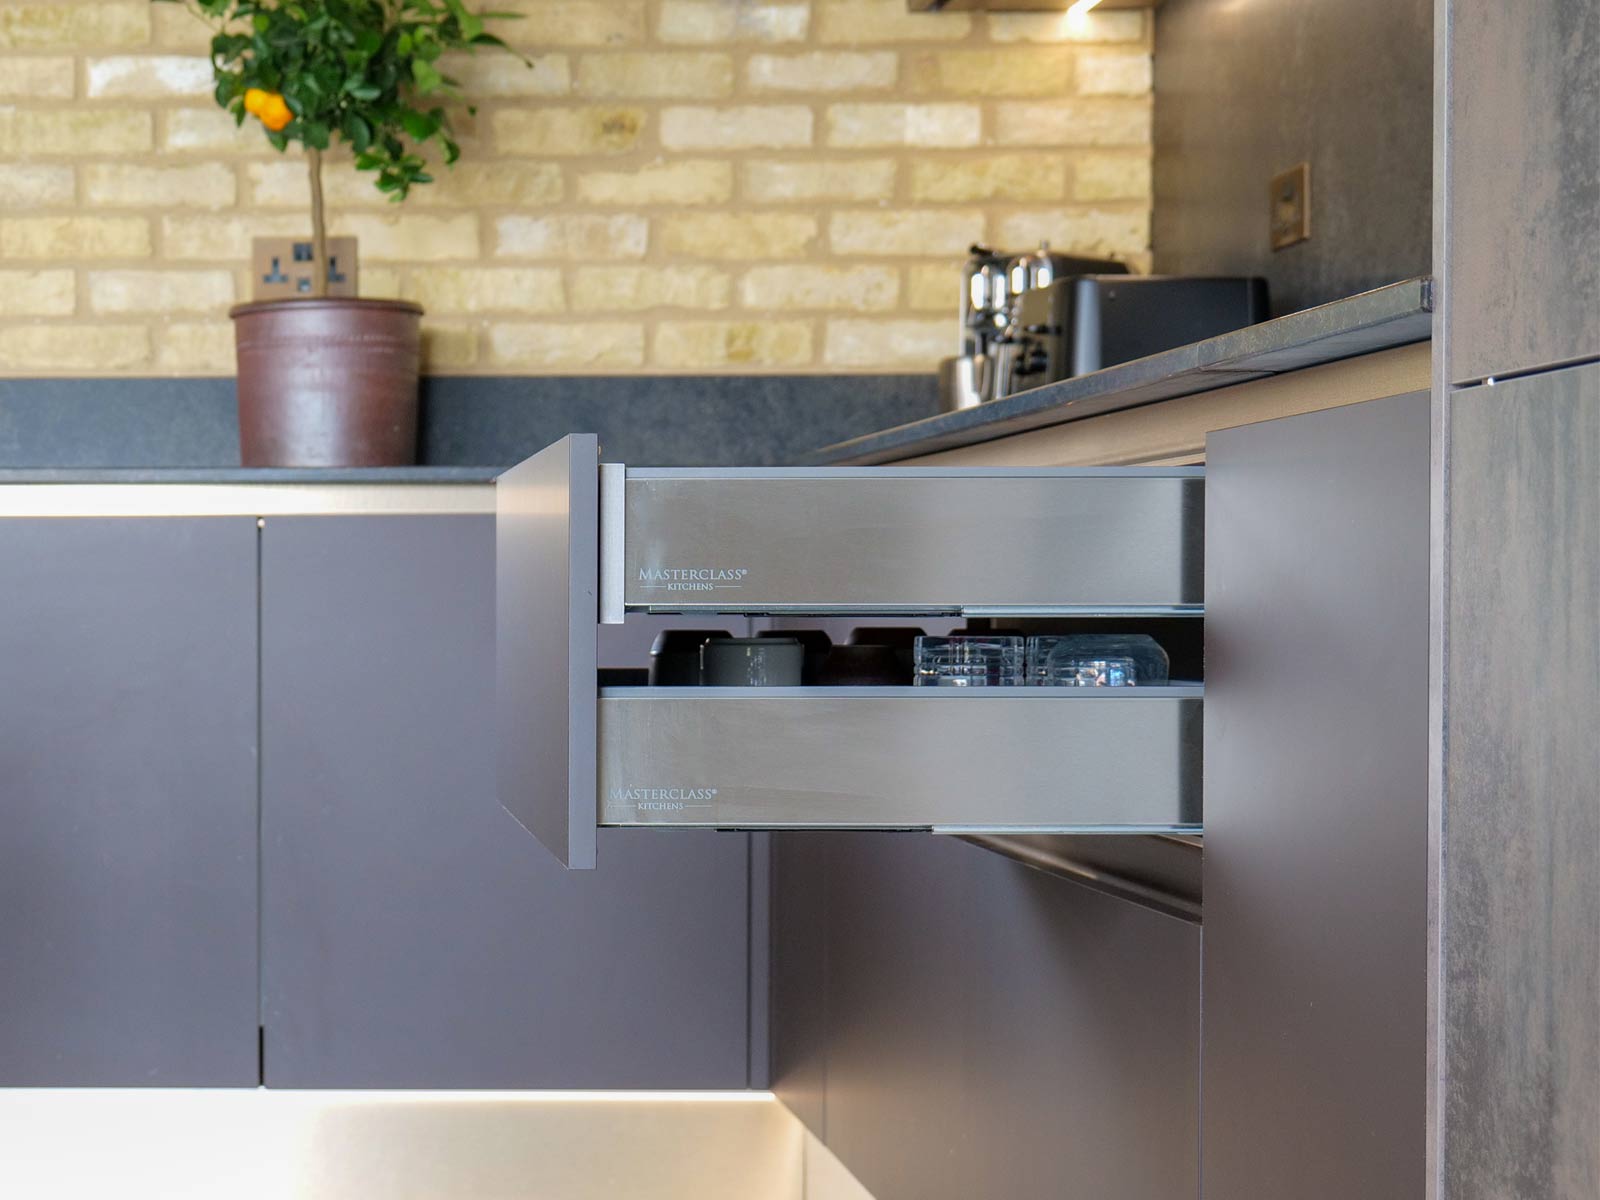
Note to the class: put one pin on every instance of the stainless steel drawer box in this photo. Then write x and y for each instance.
(1068, 760)
(903, 540)
(578, 544)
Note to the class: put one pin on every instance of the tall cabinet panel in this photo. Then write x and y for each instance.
(413, 935)
(1314, 1054)
(1520, 907)
(128, 803)
(1521, 212)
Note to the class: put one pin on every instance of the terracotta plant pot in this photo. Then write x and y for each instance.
(327, 383)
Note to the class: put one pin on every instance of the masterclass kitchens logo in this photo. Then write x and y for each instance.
(668, 799)
(691, 579)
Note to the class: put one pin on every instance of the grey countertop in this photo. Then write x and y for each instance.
(250, 475)
(1381, 319)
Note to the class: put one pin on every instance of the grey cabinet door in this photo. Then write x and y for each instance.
(956, 1025)
(128, 802)
(413, 935)
(1521, 211)
(1314, 1044)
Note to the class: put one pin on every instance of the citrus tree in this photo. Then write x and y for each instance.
(364, 72)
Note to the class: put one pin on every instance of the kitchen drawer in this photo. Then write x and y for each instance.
(994, 760)
(578, 543)
(915, 540)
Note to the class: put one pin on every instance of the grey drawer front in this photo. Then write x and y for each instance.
(1073, 760)
(864, 540)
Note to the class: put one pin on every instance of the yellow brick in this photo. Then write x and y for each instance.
(823, 71)
(927, 125)
(1074, 123)
(177, 27)
(684, 181)
(283, 183)
(149, 77)
(380, 282)
(37, 293)
(122, 185)
(656, 75)
(820, 179)
(196, 347)
(446, 347)
(749, 127)
(73, 132)
(486, 289)
(732, 343)
(947, 231)
(1111, 176)
(405, 237)
(34, 186)
(1103, 26)
(77, 238)
(211, 131)
(1007, 71)
(593, 346)
(572, 235)
(160, 291)
(496, 75)
(73, 348)
(73, 26)
(466, 185)
(633, 289)
(934, 287)
(220, 239)
(568, 131)
(1031, 176)
(1098, 232)
(477, 184)
(801, 286)
(851, 21)
(1112, 73)
(715, 22)
(572, 22)
(37, 79)
(737, 235)
(913, 343)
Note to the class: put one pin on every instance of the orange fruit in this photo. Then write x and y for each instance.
(254, 98)
(275, 112)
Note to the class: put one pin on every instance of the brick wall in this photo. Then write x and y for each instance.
(677, 185)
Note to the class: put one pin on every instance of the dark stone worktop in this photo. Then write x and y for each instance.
(1381, 319)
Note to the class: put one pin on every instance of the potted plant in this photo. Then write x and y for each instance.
(332, 380)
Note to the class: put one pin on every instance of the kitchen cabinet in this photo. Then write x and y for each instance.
(579, 543)
(128, 764)
(953, 1024)
(413, 936)
(1519, 905)
(1315, 1029)
(1518, 134)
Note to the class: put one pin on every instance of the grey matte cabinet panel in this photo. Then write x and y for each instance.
(128, 803)
(954, 1024)
(414, 936)
(1522, 162)
(1314, 1071)
(1520, 985)
(547, 549)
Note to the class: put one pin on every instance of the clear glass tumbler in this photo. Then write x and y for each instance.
(969, 661)
(1150, 664)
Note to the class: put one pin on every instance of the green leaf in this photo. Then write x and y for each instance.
(420, 126)
(357, 132)
(425, 74)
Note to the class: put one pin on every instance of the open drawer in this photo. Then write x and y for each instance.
(578, 543)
